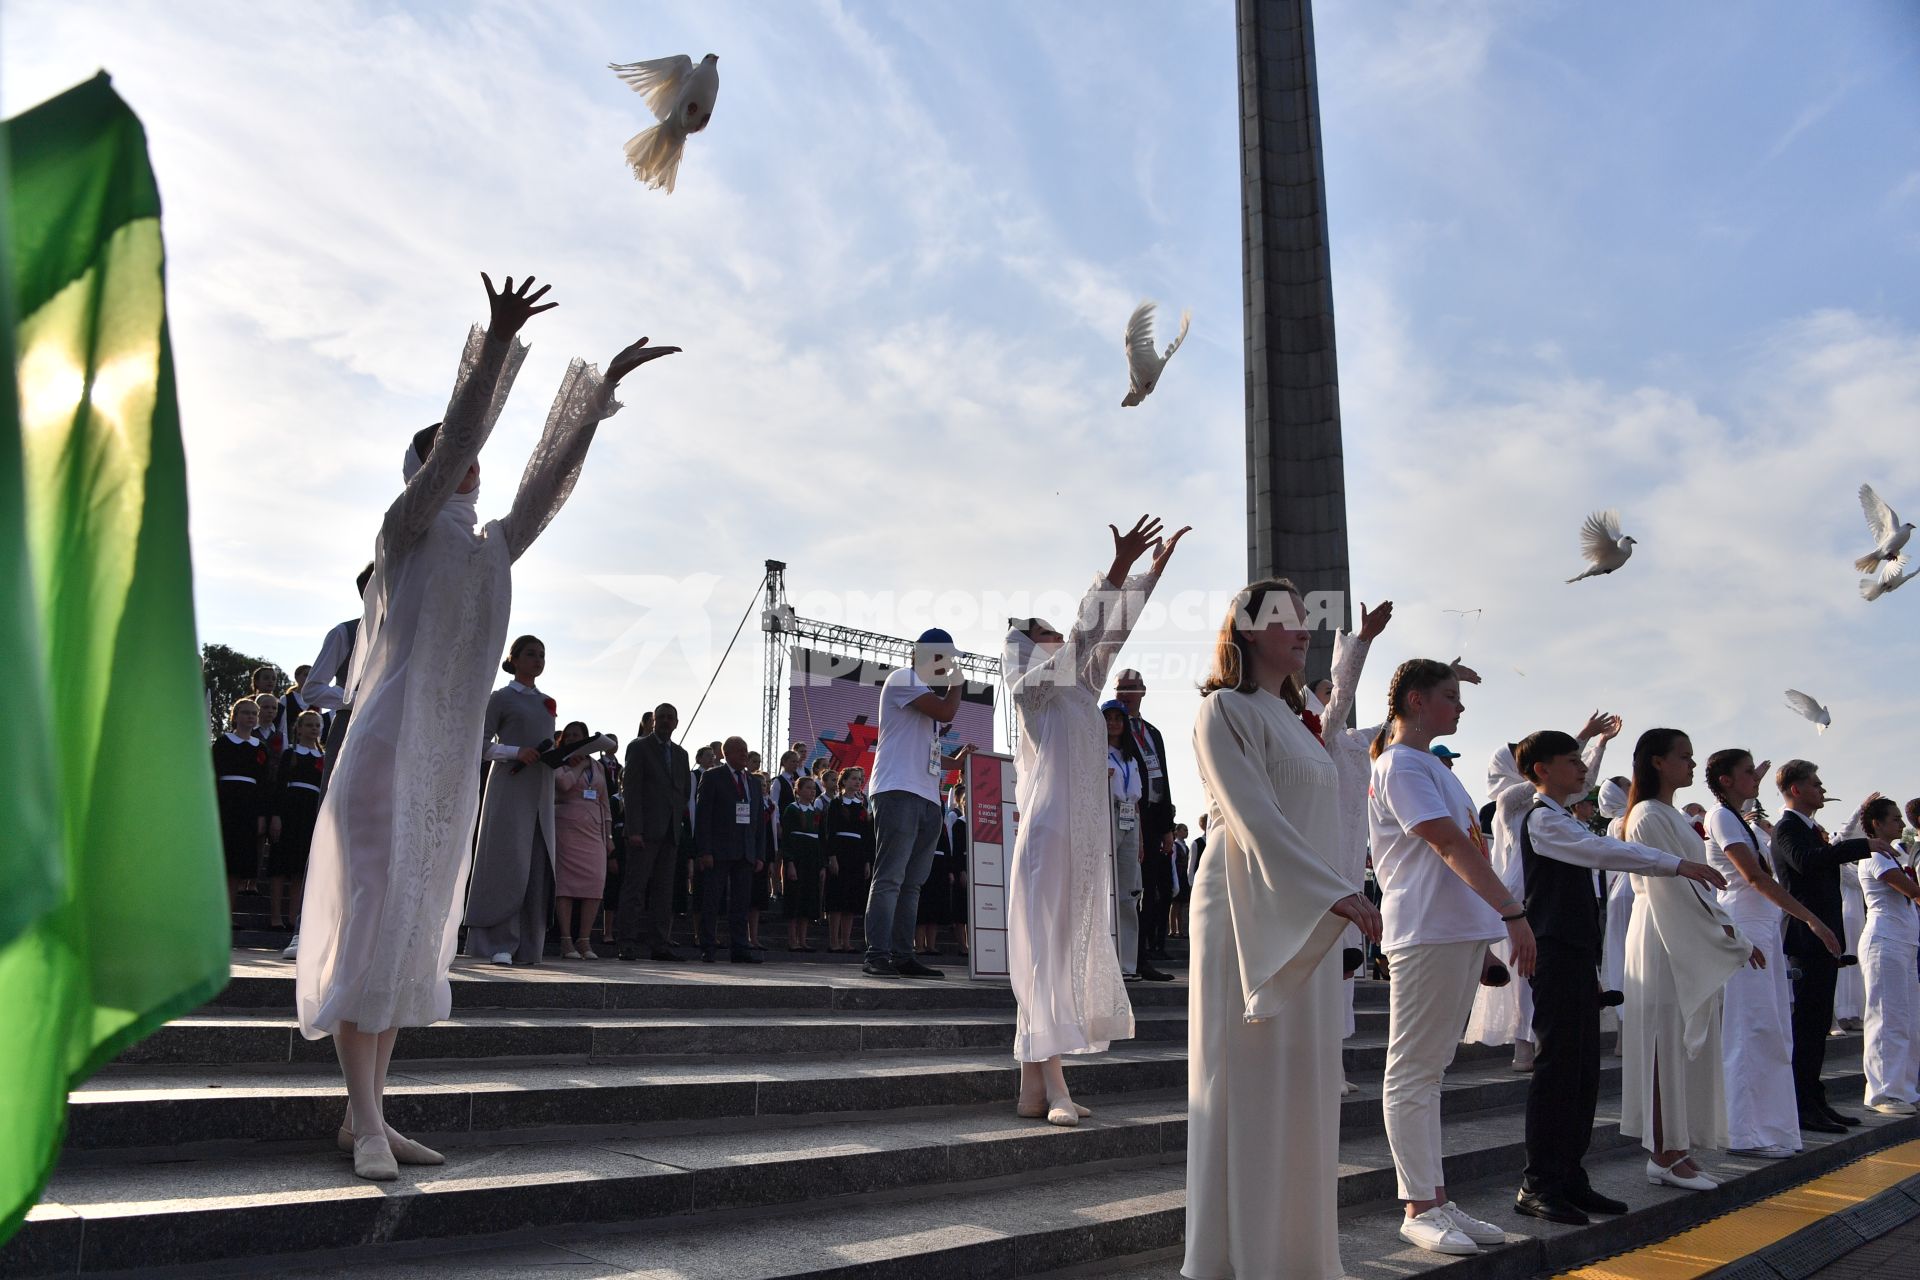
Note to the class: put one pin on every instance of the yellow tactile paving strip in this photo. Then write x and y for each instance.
(1712, 1245)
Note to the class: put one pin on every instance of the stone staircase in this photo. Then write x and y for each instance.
(795, 1119)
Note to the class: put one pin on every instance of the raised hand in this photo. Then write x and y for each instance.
(1163, 549)
(1464, 673)
(1128, 547)
(1597, 724)
(1373, 621)
(633, 357)
(512, 308)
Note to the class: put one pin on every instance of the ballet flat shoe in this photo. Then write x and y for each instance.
(1668, 1178)
(405, 1150)
(1067, 1115)
(1039, 1110)
(373, 1159)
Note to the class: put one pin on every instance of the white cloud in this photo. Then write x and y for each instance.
(900, 272)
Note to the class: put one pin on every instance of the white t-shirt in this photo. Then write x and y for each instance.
(906, 753)
(1890, 913)
(1421, 899)
(1739, 900)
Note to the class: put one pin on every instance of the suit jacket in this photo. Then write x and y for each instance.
(716, 834)
(656, 788)
(1810, 871)
(1156, 807)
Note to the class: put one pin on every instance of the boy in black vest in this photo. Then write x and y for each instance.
(1559, 856)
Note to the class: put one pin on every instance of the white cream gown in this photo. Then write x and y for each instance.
(1850, 986)
(1264, 1012)
(1756, 1030)
(392, 844)
(1069, 994)
(1679, 959)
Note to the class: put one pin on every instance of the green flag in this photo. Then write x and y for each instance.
(124, 920)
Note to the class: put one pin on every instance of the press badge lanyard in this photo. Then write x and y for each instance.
(742, 811)
(1127, 806)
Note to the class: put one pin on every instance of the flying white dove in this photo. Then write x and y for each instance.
(681, 95)
(1143, 363)
(1890, 576)
(1802, 705)
(1602, 545)
(1889, 535)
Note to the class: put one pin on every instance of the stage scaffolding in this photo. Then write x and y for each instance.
(784, 629)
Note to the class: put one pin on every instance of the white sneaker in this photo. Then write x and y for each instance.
(503, 957)
(292, 950)
(1772, 1151)
(1435, 1232)
(1893, 1107)
(1471, 1227)
(1523, 1053)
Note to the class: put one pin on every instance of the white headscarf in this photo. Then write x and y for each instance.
(1613, 798)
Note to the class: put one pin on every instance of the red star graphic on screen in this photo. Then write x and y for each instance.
(855, 750)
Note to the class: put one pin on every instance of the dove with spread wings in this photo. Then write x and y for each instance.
(1803, 705)
(1889, 534)
(681, 95)
(1602, 545)
(1143, 362)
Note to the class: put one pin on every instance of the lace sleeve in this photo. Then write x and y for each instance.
(1349, 658)
(1107, 618)
(584, 399)
(488, 367)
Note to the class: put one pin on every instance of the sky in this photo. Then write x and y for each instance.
(1659, 258)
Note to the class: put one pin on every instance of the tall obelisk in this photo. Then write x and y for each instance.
(1296, 484)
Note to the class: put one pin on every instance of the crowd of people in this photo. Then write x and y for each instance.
(1514, 921)
(624, 832)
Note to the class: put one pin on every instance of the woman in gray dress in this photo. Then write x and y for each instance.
(511, 896)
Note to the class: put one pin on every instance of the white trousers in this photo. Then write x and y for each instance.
(1430, 994)
(1127, 891)
(1892, 1056)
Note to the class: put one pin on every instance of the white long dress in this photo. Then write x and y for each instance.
(1070, 996)
(1850, 987)
(1679, 957)
(1263, 1068)
(1756, 1031)
(1354, 767)
(391, 845)
(1891, 1055)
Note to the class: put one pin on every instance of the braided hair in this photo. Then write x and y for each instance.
(1719, 765)
(1415, 675)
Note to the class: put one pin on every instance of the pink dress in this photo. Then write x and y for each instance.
(582, 820)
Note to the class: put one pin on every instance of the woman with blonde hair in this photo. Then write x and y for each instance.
(1268, 906)
(1442, 907)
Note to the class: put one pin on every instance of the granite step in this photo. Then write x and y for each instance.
(259, 1037)
(133, 1106)
(122, 1215)
(263, 981)
(1082, 1213)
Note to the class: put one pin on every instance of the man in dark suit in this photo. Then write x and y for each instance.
(1808, 865)
(733, 839)
(655, 796)
(1156, 829)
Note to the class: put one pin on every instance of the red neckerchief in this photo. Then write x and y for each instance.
(1312, 720)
